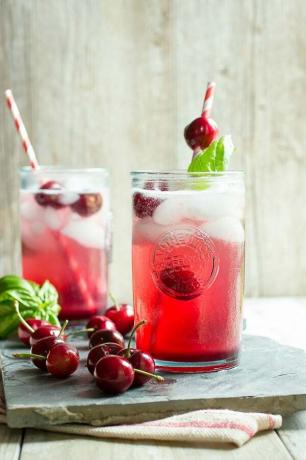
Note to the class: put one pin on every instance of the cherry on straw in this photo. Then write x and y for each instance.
(28, 148)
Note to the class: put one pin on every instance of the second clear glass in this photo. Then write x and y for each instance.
(188, 267)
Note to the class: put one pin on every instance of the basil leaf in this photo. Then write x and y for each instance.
(9, 324)
(34, 302)
(47, 292)
(14, 282)
(53, 319)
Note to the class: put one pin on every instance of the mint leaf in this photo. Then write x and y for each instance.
(205, 160)
(215, 157)
(224, 150)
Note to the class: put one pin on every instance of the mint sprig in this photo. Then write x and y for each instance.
(35, 301)
(215, 157)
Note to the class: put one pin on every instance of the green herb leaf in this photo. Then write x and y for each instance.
(47, 292)
(214, 158)
(34, 302)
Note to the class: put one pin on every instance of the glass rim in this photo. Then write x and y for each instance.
(181, 173)
(63, 169)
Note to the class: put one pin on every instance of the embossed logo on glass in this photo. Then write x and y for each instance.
(184, 263)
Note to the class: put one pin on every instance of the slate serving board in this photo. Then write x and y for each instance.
(270, 378)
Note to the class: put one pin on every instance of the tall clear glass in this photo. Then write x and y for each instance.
(188, 267)
(66, 235)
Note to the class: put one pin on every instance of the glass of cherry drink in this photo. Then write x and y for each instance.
(188, 267)
(66, 235)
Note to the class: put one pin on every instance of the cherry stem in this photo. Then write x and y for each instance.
(138, 325)
(22, 320)
(63, 328)
(159, 378)
(114, 300)
(28, 356)
(81, 331)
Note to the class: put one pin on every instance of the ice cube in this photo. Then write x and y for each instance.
(198, 205)
(68, 198)
(33, 234)
(208, 205)
(30, 209)
(227, 228)
(86, 232)
(146, 229)
(170, 211)
(54, 218)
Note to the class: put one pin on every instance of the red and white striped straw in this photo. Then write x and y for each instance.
(28, 148)
(208, 99)
(26, 144)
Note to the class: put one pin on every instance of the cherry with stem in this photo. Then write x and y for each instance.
(137, 326)
(142, 363)
(81, 331)
(122, 315)
(40, 332)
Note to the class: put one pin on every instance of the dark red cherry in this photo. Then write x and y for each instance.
(182, 281)
(62, 360)
(200, 133)
(50, 199)
(122, 316)
(88, 204)
(24, 334)
(100, 322)
(143, 205)
(42, 348)
(126, 352)
(144, 362)
(98, 352)
(44, 331)
(114, 374)
(105, 335)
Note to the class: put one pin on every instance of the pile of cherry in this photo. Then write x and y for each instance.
(114, 366)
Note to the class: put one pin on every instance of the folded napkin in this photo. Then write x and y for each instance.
(219, 426)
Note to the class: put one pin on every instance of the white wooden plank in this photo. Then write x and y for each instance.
(114, 83)
(293, 435)
(51, 446)
(254, 50)
(279, 318)
(10, 443)
(94, 81)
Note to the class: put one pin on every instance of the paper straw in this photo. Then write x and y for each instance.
(208, 99)
(75, 268)
(26, 144)
(29, 151)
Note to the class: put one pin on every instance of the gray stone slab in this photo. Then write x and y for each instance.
(270, 378)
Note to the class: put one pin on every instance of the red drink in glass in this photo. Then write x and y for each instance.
(188, 269)
(66, 236)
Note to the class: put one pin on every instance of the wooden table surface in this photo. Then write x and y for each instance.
(283, 319)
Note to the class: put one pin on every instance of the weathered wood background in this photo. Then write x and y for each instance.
(113, 83)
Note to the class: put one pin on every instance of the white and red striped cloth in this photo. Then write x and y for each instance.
(213, 426)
